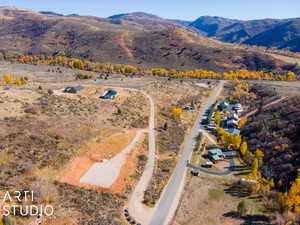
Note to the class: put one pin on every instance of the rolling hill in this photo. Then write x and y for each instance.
(137, 38)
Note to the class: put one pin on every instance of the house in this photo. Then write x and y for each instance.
(238, 108)
(110, 94)
(216, 155)
(224, 106)
(216, 158)
(215, 151)
(73, 89)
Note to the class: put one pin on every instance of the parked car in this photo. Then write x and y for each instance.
(195, 173)
(189, 108)
(209, 127)
(208, 164)
(204, 122)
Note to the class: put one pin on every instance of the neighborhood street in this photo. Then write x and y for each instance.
(168, 202)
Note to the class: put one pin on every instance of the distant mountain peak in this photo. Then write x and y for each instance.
(134, 14)
(51, 13)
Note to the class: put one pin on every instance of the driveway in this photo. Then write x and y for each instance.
(224, 173)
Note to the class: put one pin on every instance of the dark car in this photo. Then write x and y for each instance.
(189, 108)
(195, 173)
(204, 122)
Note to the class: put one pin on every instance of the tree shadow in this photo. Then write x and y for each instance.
(237, 190)
(250, 219)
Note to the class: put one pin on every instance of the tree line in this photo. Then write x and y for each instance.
(87, 65)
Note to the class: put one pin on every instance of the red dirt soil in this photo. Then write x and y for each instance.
(81, 164)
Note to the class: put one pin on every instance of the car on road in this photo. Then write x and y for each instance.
(189, 108)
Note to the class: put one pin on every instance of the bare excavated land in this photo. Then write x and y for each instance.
(50, 140)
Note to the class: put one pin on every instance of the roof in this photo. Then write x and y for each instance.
(73, 89)
(224, 103)
(232, 122)
(215, 151)
(216, 157)
(234, 131)
(224, 106)
(109, 94)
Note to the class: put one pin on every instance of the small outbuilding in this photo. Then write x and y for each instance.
(73, 89)
(110, 94)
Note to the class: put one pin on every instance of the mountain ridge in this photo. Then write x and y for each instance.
(147, 43)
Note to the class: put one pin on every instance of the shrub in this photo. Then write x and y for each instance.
(9, 220)
(18, 81)
(84, 76)
(8, 78)
(177, 112)
(50, 92)
(243, 208)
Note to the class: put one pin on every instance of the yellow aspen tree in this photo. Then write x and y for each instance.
(244, 148)
(218, 118)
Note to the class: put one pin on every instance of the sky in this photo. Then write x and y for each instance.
(171, 9)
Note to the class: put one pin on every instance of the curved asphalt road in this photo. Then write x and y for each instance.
(168, 202)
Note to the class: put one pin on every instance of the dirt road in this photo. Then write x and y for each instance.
(136, 208)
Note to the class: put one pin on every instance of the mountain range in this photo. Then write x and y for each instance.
(147, 40)
(281, 34)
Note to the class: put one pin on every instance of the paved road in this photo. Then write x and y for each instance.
(167, 205)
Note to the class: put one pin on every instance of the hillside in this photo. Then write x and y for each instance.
(285, 36)
(276, 132)
(282, 34)
(138, 39)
